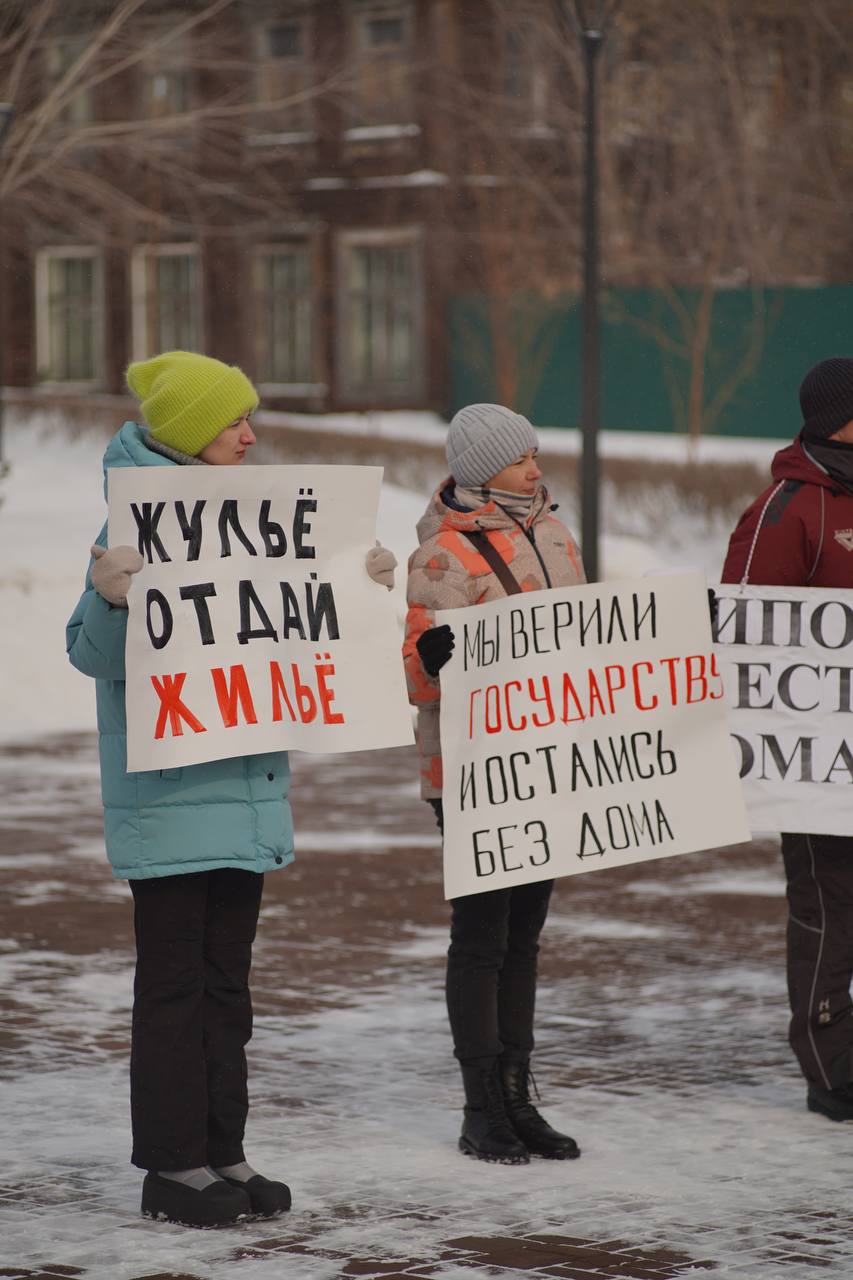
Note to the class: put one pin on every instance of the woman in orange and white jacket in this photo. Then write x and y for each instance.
(489, 529)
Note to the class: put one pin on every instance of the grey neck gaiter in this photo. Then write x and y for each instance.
(517, 505)
(182, 459)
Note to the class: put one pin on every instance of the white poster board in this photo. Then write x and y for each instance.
(786, 655)
(254, 625)
(584, 727)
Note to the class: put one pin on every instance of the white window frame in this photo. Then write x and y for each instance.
(296, 390)
(44, 257)
(140, 258)
(385, 238)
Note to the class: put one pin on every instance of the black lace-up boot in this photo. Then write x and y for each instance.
(533, 1130)
(486, 1131)
(836, 1104)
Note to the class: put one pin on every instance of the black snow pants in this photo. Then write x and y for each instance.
(491, 969)
(819, 870)
(192, 1017)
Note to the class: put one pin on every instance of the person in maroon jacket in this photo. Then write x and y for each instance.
(799, 532)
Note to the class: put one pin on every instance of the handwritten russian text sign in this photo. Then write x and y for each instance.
(582, 728)
(786, 655)
(254, 625)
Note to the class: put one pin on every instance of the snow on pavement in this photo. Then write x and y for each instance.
(661, 1047)
(661, 1026)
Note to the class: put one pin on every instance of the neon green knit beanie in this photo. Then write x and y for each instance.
(187, 399)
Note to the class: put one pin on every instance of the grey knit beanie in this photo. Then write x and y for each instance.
(482, 439)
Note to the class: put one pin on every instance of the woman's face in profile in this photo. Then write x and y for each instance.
(522, 476)
(230, 446)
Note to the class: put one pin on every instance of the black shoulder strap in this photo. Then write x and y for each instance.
(495, 562)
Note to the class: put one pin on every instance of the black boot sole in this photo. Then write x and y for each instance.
(468, 1149)
(203, 1214)
(198, 1226)
(825, 1111)
(555, 1155)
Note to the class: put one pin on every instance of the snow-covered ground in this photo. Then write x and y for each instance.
(429, 427)
(52, 506)
(661, 1012)
(661, 1019)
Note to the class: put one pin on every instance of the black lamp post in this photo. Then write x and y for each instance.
(590, 20)
(7, 111)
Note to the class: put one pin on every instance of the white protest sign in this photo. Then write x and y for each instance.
(786, 655)
(583, 727)
(253, 624)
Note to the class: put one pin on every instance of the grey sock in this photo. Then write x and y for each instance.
(198, 1179)
(241, 1172)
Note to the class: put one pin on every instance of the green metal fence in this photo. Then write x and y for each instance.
(748, 348)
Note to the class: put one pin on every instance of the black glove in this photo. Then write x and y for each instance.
(712, 604)
(435, 647)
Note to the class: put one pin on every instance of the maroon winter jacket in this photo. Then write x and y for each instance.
(805, 538)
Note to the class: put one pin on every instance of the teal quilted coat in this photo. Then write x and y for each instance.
(226, 813)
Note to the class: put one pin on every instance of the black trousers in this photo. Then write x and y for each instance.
(192, 1017)
(819, 871)
(491, 969)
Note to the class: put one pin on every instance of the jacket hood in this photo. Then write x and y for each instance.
(440, 515)
(792, 463)
(128, 449)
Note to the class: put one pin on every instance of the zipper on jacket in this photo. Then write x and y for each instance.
(531, 538)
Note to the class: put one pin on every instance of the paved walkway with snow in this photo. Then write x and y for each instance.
(662, 1021)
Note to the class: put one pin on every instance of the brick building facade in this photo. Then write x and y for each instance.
(298, 181)
(309, 187)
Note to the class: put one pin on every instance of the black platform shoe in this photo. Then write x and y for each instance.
(533, 1130)
(486, 1131)
(267, 1198)
(217, 1205)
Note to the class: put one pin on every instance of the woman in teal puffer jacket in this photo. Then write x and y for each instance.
(193, 843)
(223, 814)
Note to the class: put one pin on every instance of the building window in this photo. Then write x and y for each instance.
(284, 76)
(381, 38)
(285, 315)
(636, 103)
(526, 77)
(380, 325)
(77, 105)
(166, 299)
(166, 81)
(68, 315)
